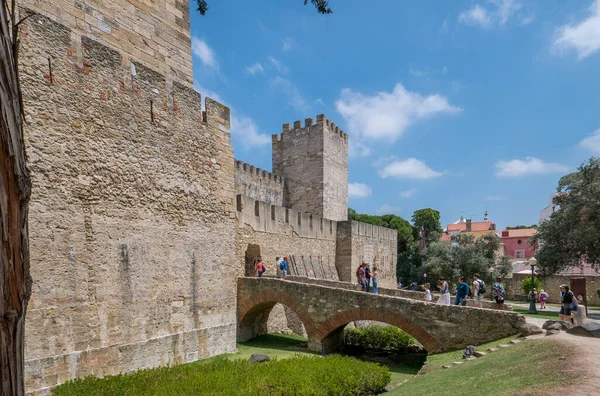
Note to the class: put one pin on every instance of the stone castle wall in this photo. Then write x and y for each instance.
(132, 215)
(258, 184)
(313, 161)
(360, 242)
(551, 284)
(153, 32)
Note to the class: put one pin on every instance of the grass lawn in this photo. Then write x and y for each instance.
(282, 346)
(506, 372)
(542, 314)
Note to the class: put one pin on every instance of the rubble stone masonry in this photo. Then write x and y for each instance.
(132, 216)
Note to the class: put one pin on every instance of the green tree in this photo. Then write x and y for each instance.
(322, 6)
(427, 224)
(570, 236)
(503, 267)
(521, 227)
(466, 256)
(526, 284)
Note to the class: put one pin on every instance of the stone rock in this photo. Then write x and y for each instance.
(493, 349)
(586, 330)
(479, 354)
(257, 357)
(515, 341)
(552, 332)
(504, 346)
(471, 358)
(457, 363)
(530, 329)
(557, 325)
(447, 367)
(468, 351)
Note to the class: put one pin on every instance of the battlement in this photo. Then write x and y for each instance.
(321, 124)
(368, 230)
(264, 217)
(254, 171)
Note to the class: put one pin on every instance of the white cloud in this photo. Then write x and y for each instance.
(387, 209)
(248, 131)
(288, 44)
(499, 13)
(444, 28)
(477, 15)
(386, 116)
(506, 9)
(359, 190)
(408, 193)
(592, 142)
(417, 72)
(254, 69)
(280, 67)
(495, 197)
(357, 149)
(205, 53)
(410, 168)
(291, 92)
(583, 37)
(530, 166)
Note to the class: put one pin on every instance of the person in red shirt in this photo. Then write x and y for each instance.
(260, 268)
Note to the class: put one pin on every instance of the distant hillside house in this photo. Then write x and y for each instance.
(466, 226)
(516, 243)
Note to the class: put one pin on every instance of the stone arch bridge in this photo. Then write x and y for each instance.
(326, 310)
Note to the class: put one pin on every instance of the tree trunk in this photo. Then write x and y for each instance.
(15, 189)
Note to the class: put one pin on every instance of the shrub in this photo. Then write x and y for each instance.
(598, 291)
(376, 336)
(526, 284)
(332, 375)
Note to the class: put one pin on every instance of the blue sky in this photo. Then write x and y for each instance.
(454, 105)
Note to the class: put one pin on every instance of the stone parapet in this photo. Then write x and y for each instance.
(258, 183)
(264, 217)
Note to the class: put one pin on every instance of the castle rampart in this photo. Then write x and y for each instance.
(132, 214)
(360, 242)
(155, 33)
(258, 184)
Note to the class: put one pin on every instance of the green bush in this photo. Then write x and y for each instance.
(332, 375)
(526, 284)
(376, 336)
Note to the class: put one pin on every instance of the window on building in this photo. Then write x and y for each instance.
(520, 254)
(519, 242)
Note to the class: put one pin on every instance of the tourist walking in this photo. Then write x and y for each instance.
(445, 291)
(543, 298)
(412, 286)
(499, 293)
(368, 276)
(278, 261)
(284, 267)
(566, 307)
(260, 267)
(363, 277)
(478, 291)
(579, 314)
(427, 296)
(462, 291)
(374, 277)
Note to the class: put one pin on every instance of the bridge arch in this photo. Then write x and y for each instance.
(330, 332)
(254, 310)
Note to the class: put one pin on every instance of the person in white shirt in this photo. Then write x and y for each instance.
(427, 297)
(476, 288)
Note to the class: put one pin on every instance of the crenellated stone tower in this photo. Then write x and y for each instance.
(313, 161)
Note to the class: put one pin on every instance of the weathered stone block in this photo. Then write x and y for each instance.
(586, 330)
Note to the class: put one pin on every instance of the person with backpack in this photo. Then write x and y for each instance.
(283, 267)
(499, 293)
(278, 261)
(543, 298)
(363, 277)
(567, 299)
(478, 291)
(462, 291)
(368, 276)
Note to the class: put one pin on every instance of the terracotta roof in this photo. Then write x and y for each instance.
(446, 237)
(481, 225)
(524, 233)
(457, 227)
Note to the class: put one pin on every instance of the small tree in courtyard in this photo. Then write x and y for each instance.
(526, 284)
